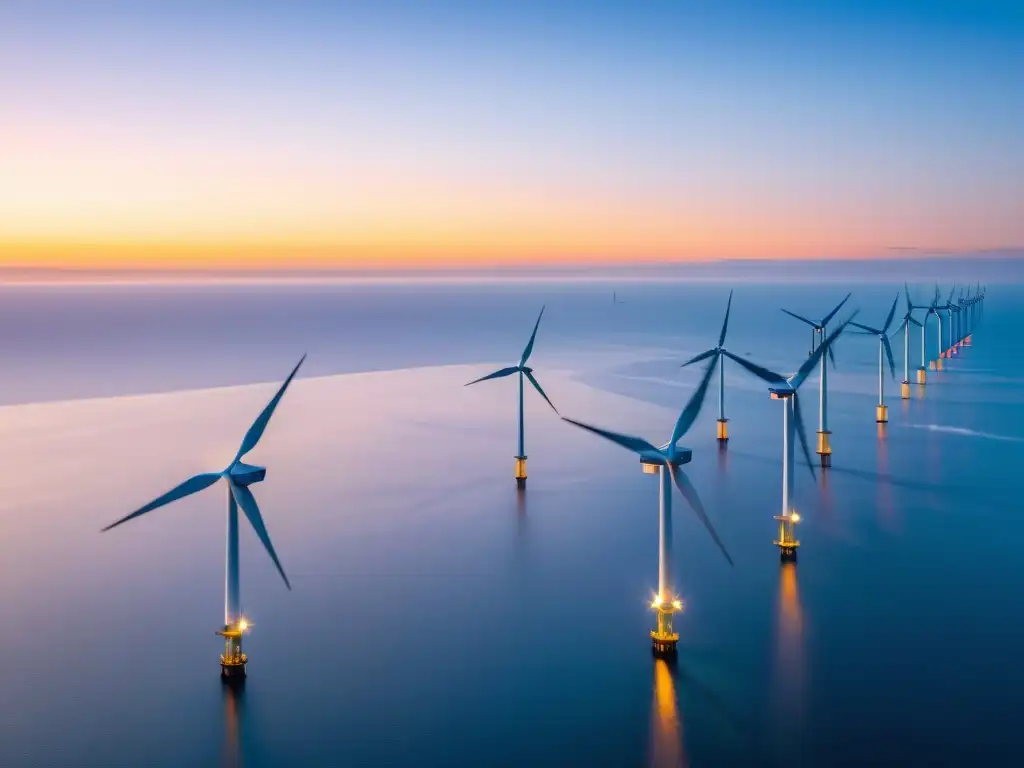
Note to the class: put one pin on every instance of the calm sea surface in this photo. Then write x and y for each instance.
(440, 618)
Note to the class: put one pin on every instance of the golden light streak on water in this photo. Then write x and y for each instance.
(790, 666)
(666, 746)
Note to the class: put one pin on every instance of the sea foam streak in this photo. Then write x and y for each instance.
(967, 432)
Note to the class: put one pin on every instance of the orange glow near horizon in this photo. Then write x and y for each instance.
(504, 236)
(71, 200)
(131, 208)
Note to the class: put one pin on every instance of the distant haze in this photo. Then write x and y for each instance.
(968, 268)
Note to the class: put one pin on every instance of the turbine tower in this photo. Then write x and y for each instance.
(824, 450)
(908, 320)
(965, 317)
(239, 476)
(950, 309)
(958, 333)
(717, 352)
(524, 371)
(936, 309)
(666, 462)
(884, 353)
(975, 305)
(786, 388)
(922, 372)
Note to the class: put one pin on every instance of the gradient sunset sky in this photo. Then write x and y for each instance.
(305, 134)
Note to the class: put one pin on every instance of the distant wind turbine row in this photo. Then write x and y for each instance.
(665, 461)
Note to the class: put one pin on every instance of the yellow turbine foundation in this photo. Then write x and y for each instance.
(723, 429)
(938, 364)
(233, 660)
(922, 375)
(787, 541)
(881, 413)
(664, 638)
(905, 390)
(825, 448)
(520, 471)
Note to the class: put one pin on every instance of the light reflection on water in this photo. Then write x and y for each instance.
(666, 747)
(234, 715)
(887, 514)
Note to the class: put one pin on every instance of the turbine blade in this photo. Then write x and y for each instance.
(692, 409)
(533, 337)
(536, 385)
(698, 358)
(838, 306)
(801, 319)
(256, 430)
(248, 504)
(892, 314)
(496, 375)
(915, 322)
(888, 354)
(867, 329)
(725, 324)
(762, 373)
(690, 494)
(832, 356)
(906, 292)
(801, 433)
(187, 488)
(635, 444)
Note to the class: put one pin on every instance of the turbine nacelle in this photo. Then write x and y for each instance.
(244, 474)
(674, 457)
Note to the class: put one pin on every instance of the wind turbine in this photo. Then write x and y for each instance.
(786, 388)
(884, 353)
(239, 476)
(973, 307)
(666, 462)
(965, 317)
(717, 352)
(929, 309)
(922, 372)
(524, 371)
(936, 309)
(950, 309)
(961, 319)
(908, 320)
(979, 300)
(824, 450)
